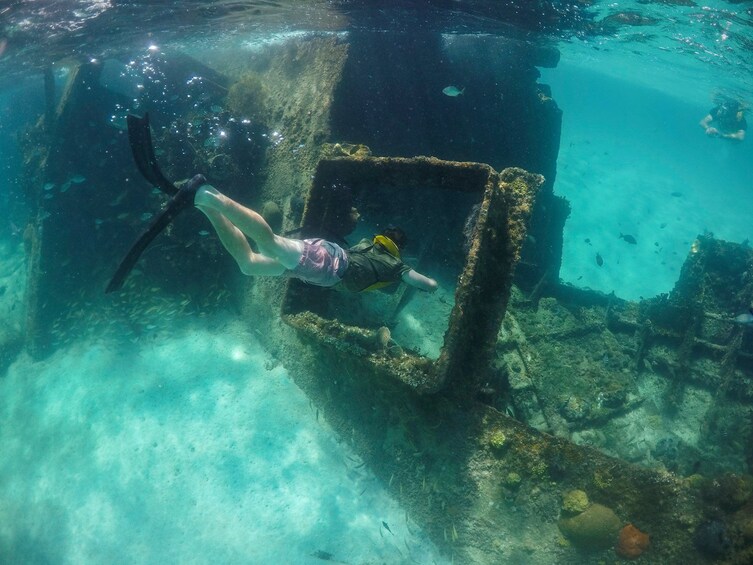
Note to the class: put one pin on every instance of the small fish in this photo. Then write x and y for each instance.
(628, 239)
(587, 240)
(323, 555)
(745, 318)
(203, 233)
(216, 108)
(49, 196)
(65, 186)
(49, 185)
(662, 225)
(77, 179)
(599, 259)
(146, 216)
(452, 91)
(118, 200)
(386, 527)
(676, 194)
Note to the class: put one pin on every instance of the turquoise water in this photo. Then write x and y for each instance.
(626, 149)
(183, 439)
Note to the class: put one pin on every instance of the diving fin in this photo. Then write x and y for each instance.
(140, 138)
(182, 200)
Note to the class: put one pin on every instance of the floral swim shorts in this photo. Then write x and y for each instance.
(323, 263)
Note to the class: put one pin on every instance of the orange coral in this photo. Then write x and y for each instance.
(632, 542)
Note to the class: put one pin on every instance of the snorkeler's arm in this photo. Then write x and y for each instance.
(705, 123)
(419, 281)
(739, 135)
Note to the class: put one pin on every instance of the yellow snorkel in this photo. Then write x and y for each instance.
(388, 244)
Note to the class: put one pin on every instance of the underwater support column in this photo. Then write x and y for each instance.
(49, 147)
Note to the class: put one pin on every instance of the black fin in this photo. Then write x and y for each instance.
(182, 200)
(140, 138)
(158, 224)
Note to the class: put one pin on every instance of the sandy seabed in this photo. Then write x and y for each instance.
(191, 446)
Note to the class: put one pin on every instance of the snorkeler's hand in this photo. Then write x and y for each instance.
(712, 132)
(421, 282)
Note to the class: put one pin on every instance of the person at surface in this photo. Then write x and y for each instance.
(365, 266)
(727, 120)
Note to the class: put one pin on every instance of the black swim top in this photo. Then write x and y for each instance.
(370, 263)
(727, 119)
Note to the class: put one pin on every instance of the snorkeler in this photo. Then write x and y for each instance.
(726, 119)
(366, 266)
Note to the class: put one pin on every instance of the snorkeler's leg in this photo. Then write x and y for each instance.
(235, 242)
(287, 251)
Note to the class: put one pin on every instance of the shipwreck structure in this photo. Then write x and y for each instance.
(398, 186)
(531, 437)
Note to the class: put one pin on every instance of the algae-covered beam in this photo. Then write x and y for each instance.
(484, 286)
(49, 147)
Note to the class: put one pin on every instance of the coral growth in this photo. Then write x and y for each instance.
(383, 337)
(602, 479)
(574, 502)
(512, 480)
(497, 439)
(594, 528)
(632, 542)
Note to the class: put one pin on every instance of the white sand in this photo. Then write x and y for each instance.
(193, 447)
